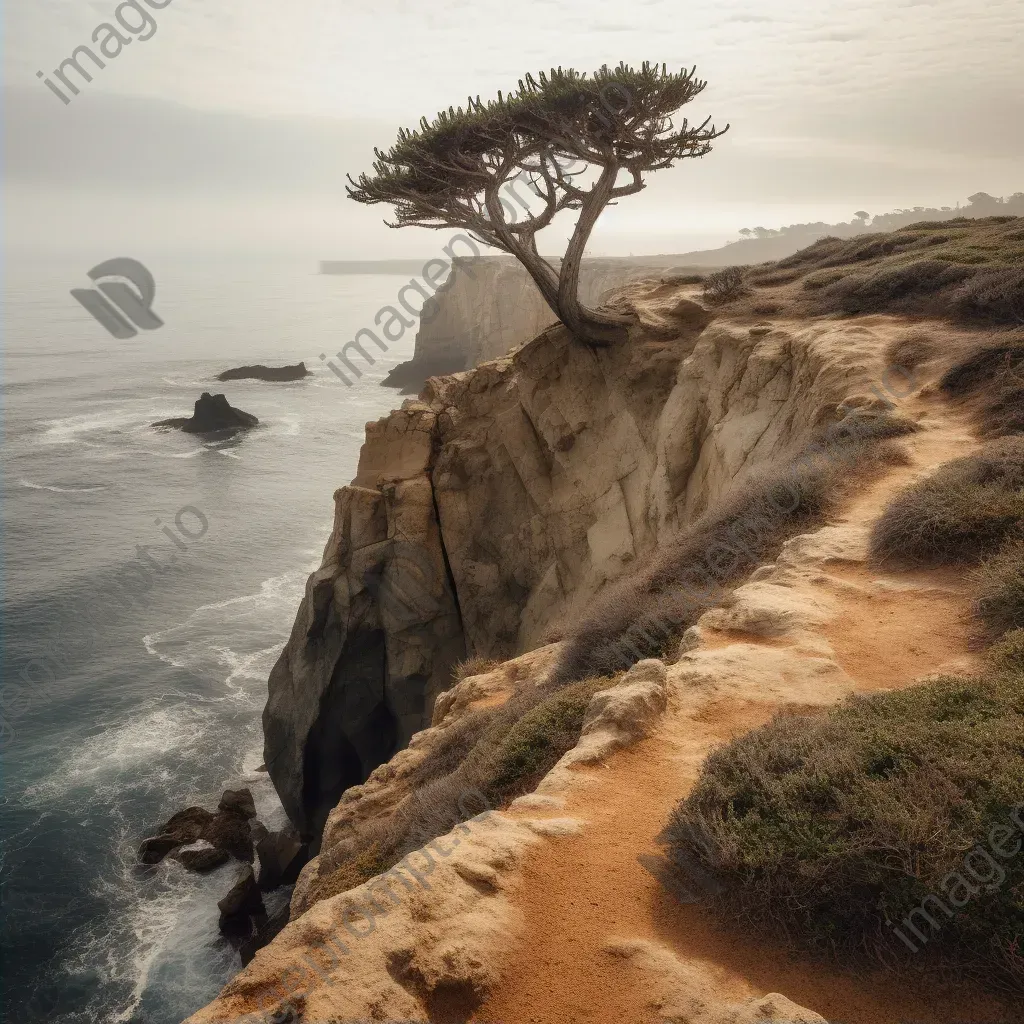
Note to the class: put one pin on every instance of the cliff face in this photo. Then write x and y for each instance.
(490, 305)
(482, 513)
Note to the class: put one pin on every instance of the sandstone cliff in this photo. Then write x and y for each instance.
(489, 305)
(544, 911)
(484, 511)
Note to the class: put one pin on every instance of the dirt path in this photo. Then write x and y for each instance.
(580, 893)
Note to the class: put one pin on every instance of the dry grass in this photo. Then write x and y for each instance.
(642, 615)
(966, 270)
(1000, 599)
(724, 285)
(475, 666)
(830, 831)
(962, 513)
(992, 380)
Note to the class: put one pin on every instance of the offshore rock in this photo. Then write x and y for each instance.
(212, 415)
(268, 373)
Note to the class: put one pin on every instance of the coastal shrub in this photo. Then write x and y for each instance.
(771, 277)
(821, 278)
(1000, 601)
(453, 745)
(992, 378)
(532, 747)
(642, 615)
(724, 285)
(475, 666)
(873, 830)
(910, 351)
(965, 511)
(1007, 653)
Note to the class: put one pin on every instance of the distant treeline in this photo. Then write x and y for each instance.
(981, 204)
(760, 244)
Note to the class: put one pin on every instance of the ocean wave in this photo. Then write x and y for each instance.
(140, 749)
(62, 490)
(69, 429)
(227, 640)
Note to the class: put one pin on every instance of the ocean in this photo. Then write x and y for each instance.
(118, 711)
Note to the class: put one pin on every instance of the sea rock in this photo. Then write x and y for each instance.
(227, 830)
(264, 934)
(241, 902)
(269, 373)
(182, 828)
(238, 801)
(281, 856)
(212, 415)
(155, 848)
(201, 856)
(230, 831)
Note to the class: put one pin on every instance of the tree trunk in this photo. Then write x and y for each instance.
(590, 325)
(561, 291)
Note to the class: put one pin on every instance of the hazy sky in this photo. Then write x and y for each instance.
(234, 123)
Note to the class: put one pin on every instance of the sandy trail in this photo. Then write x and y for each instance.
(581, 892)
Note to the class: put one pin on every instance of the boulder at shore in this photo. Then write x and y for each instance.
(271, 373)
(212, 415)
(225, 833)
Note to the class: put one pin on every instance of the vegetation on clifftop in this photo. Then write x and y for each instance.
(892, 828)
(965, 270)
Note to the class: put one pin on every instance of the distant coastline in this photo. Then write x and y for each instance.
(401, 267)
(759, 244)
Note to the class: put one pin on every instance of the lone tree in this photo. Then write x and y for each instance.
(560, 130)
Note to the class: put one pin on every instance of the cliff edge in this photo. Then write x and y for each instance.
(508, 495)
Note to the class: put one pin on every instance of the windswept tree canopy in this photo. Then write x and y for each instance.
(616, 123)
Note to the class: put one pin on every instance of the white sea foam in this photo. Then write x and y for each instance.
(134, 754)
(62, 490)
(68, 429)
(227, 640)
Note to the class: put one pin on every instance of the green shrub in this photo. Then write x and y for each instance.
(641, 615)
(1000, 603)
(962, 513)
(830, 831)
(532, 747)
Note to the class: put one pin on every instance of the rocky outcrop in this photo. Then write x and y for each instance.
(489, 305)
(268, 373)
(240, 906)
(212, 415)
(485, 512)
(202, 839)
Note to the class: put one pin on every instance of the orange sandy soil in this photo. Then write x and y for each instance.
(582, 891)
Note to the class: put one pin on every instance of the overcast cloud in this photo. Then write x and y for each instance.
(233, 125)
